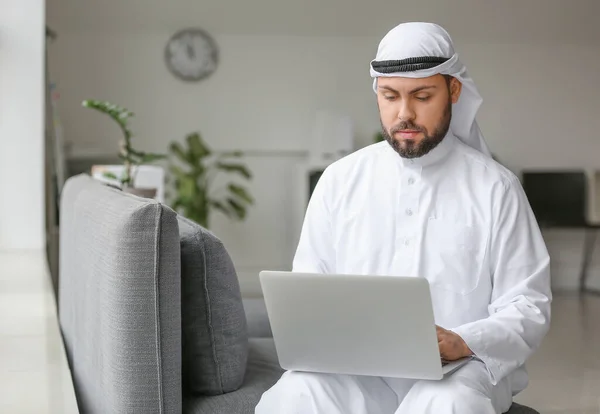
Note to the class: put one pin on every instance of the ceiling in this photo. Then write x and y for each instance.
(499, 21)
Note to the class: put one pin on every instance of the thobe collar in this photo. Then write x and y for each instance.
(432, 158)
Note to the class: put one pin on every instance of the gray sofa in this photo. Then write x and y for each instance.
(131, 331)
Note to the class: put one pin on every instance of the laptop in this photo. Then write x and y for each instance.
(354, 324)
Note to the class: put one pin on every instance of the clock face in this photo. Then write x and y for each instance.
(191, 54)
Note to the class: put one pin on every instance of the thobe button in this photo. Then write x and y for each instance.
(411, 181)
(409, 212)
(406, 242)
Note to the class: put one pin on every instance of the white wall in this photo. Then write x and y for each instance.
(540, 110)
(21, 123)
(540, 101)
(263, 95)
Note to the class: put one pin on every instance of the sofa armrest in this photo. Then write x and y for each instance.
(257, 318)
(120, 299)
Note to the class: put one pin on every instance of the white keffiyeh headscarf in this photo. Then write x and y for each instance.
(420, 50)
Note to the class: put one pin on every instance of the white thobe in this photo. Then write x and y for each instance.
(463, 222)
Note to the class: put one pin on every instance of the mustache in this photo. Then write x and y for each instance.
(406, 125)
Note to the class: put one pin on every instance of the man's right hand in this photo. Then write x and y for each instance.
(452, 346)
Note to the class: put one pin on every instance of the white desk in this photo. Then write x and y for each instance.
(34, 373)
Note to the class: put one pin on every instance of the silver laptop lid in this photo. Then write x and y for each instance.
(349, 324)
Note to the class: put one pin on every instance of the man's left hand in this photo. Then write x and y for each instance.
(452, 346)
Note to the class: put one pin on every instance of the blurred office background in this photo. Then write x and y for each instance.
(291, 90)
(283, 65)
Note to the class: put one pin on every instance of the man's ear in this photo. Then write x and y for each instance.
(455, 89)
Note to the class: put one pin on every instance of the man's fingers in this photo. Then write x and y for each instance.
(443, 352)
(441, 334)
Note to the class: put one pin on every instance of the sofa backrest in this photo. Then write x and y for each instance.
(119, 299)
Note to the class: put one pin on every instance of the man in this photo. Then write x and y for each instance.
(430, 202)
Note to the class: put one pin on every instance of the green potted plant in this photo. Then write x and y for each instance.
(194, 169)
(131, 158)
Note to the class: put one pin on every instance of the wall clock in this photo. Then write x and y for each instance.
(191, 54)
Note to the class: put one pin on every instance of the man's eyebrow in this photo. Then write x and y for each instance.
(421, 88)
(418, 89)
(388, 89)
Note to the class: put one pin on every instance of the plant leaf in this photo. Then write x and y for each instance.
(197, 147)
(241, 192)
(221, 207)
(178, 172)
(134, 152)
(119, 114)
(240, 210)
(178, 150)
(127, 158)
(110, 175)
(148, 158)
(235, 168)
(187, 189)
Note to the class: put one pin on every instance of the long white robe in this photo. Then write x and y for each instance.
(457, 218)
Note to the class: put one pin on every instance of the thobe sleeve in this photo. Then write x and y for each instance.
(519, 310)
(315, 251)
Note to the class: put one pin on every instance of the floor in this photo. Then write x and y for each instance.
(565, 372)
(34, 378)
(34, 375)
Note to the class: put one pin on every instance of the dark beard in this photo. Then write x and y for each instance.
(428, 143)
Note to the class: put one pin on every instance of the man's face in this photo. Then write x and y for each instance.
(416, 112)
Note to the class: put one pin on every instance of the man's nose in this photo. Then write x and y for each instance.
(405, 112)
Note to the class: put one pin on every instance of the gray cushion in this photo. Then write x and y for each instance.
(263, 372)
(214, 330)
(520, 409)
(119, 299)
(258, 319)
